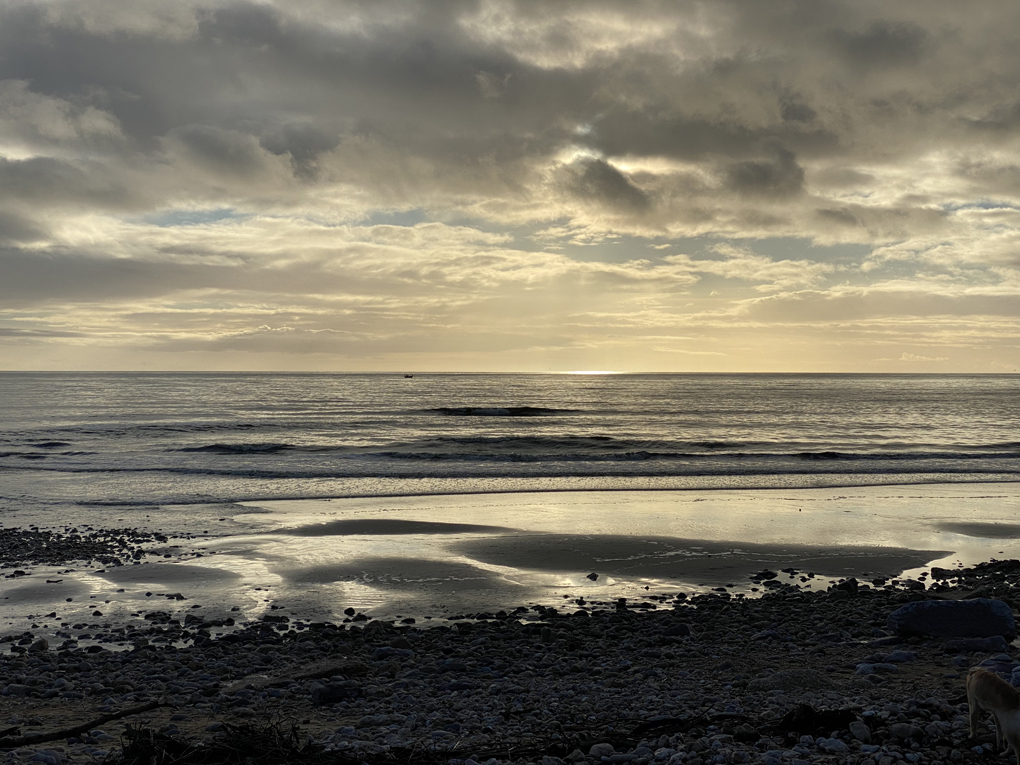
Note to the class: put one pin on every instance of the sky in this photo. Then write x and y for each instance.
(529, 186)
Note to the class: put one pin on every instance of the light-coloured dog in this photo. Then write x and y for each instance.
(988, 691)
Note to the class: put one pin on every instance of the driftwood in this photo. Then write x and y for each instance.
(11, 742)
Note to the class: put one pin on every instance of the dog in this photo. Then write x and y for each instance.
(988, 691)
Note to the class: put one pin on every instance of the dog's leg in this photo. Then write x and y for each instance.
(975, 710)
(1013, 742)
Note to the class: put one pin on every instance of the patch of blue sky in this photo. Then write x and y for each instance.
(175, 218)
(984, 204)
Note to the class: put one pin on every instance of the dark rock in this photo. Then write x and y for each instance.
(899, 656)
(905, 731)
(746, 733)
(850, 585)
(389, 652)
(806, 719)
(980, 617)
(679, 630)
(791, 680)
(334, 693)
(996, 643)
(458, 685)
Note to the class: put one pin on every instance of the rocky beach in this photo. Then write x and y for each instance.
(800, 673)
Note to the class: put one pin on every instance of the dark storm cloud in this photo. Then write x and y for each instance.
(882, 44)
(780, 176)
(15, 229)
(793, 109)
(43, 180)
(597, 181)
(691, 137)
(221, 150)
(303, 142)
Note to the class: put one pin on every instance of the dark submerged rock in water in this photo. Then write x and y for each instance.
(980, 617)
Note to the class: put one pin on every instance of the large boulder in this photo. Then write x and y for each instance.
(977, 618)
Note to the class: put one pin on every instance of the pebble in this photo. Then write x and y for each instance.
(478, 687)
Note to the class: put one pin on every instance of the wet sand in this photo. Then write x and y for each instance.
(435, 556)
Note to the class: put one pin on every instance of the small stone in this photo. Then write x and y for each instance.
(832, 746)
(601, 750)
(678, 630)
(905, 731)
(791, 680)
(850, 586)
(39, 646)
(334, 693)
(860, 731)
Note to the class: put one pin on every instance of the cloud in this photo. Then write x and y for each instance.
(439, 170)
(882, 44)
(915, 357)
(597, 181)
(780, 177)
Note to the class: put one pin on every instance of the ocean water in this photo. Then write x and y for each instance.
(118, 440)
(443, 494)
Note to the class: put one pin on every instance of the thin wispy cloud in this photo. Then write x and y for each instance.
(504, 185)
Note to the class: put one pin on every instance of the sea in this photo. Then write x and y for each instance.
(413, 493)
(72, 441)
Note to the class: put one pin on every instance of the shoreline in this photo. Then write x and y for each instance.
(435, 556)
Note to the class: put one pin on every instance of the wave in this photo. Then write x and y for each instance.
(589, 448)
(260, 448)
(499, 411)
(24, 455)
(553, 470)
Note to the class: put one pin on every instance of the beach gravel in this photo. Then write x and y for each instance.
(972, 618)
(771, 680)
